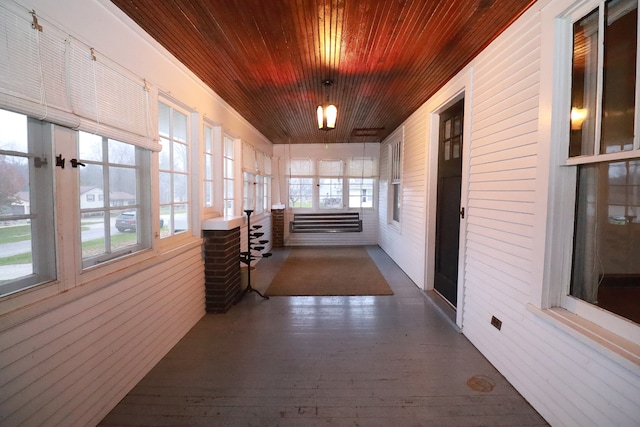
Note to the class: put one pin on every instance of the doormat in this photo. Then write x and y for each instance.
(328, 271)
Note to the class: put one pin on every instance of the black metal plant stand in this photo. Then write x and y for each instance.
(253, 245)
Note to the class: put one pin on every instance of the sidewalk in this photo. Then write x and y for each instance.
(8, 272)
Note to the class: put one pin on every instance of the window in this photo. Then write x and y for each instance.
(361, 192)
(249, 191)
(174, 169)
(228, 177)
(301, 192)
(330, 193)
(330, 184)
(260, 199)
(301, 183)
(27, 255)
(112, 179)
(209, 168)
(362, 171)
(395, 167)
(604, 149)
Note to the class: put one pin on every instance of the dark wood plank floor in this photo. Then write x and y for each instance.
(315, 361)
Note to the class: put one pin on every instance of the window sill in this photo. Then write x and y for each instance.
(620, 350)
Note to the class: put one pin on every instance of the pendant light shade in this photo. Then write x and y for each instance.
(327, 115)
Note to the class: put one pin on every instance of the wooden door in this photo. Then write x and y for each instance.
(448, 209)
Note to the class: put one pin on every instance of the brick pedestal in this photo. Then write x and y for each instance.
(222, 269)
(277, 228)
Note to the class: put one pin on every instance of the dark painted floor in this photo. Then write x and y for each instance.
(315, 361)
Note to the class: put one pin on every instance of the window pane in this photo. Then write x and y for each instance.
(619, 89)
(228, 147)
(13, 134)
(164, 157)
(180, 188)
(165, 187)
(360, 193)
(228, 209)
(208, 139)
(396, 202)
(330, 193)
(122, 186)
(301, 192)
(208, 194)
(164, 119)
(129, 236)
(93, 233)
(606, 271)
(15, 235)
(228, 189)
(181, 218)
(121, 153)
(208, 169)
(90, 147)
(584, 85)
(180, 162)
(15, 249)
(27, 250)
(228, 168)
(179, 126)
(91, 187)
(14, 185)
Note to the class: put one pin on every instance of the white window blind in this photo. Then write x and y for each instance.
(32, 68)
(267, 165)
(301, 167)
(260, 162)
(49, 75)
(248, 158)
(362, 167)
(330, 168)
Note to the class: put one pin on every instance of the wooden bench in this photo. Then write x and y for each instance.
(331, 222)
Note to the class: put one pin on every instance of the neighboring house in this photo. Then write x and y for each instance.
(22, 205)
(77, 350)
(93, 197)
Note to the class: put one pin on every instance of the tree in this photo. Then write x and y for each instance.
(13, 178)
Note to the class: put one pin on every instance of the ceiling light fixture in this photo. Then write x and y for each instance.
(327, 113)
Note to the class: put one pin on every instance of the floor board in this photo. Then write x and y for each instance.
(316, 361)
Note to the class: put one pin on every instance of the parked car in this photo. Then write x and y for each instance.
(127, 221)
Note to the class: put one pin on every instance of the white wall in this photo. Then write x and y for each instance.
(69, 357)
(572, 378)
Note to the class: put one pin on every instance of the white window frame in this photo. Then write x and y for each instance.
(358, 183)
(41, 209)
(557, 174)
(249, 181)
(395, 183)
(174, 205)
(211, 167)
(142, 205)
(302, 168)
(228, 181)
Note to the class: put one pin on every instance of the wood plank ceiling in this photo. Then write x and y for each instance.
(269, 58)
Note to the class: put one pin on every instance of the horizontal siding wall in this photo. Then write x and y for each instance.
(69, 366)
(73, 356)
(569, 383)
(406, 244)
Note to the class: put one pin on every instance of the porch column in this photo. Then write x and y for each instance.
(221, 250)
(277, 226)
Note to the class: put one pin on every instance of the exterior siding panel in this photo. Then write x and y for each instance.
(77, 356)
